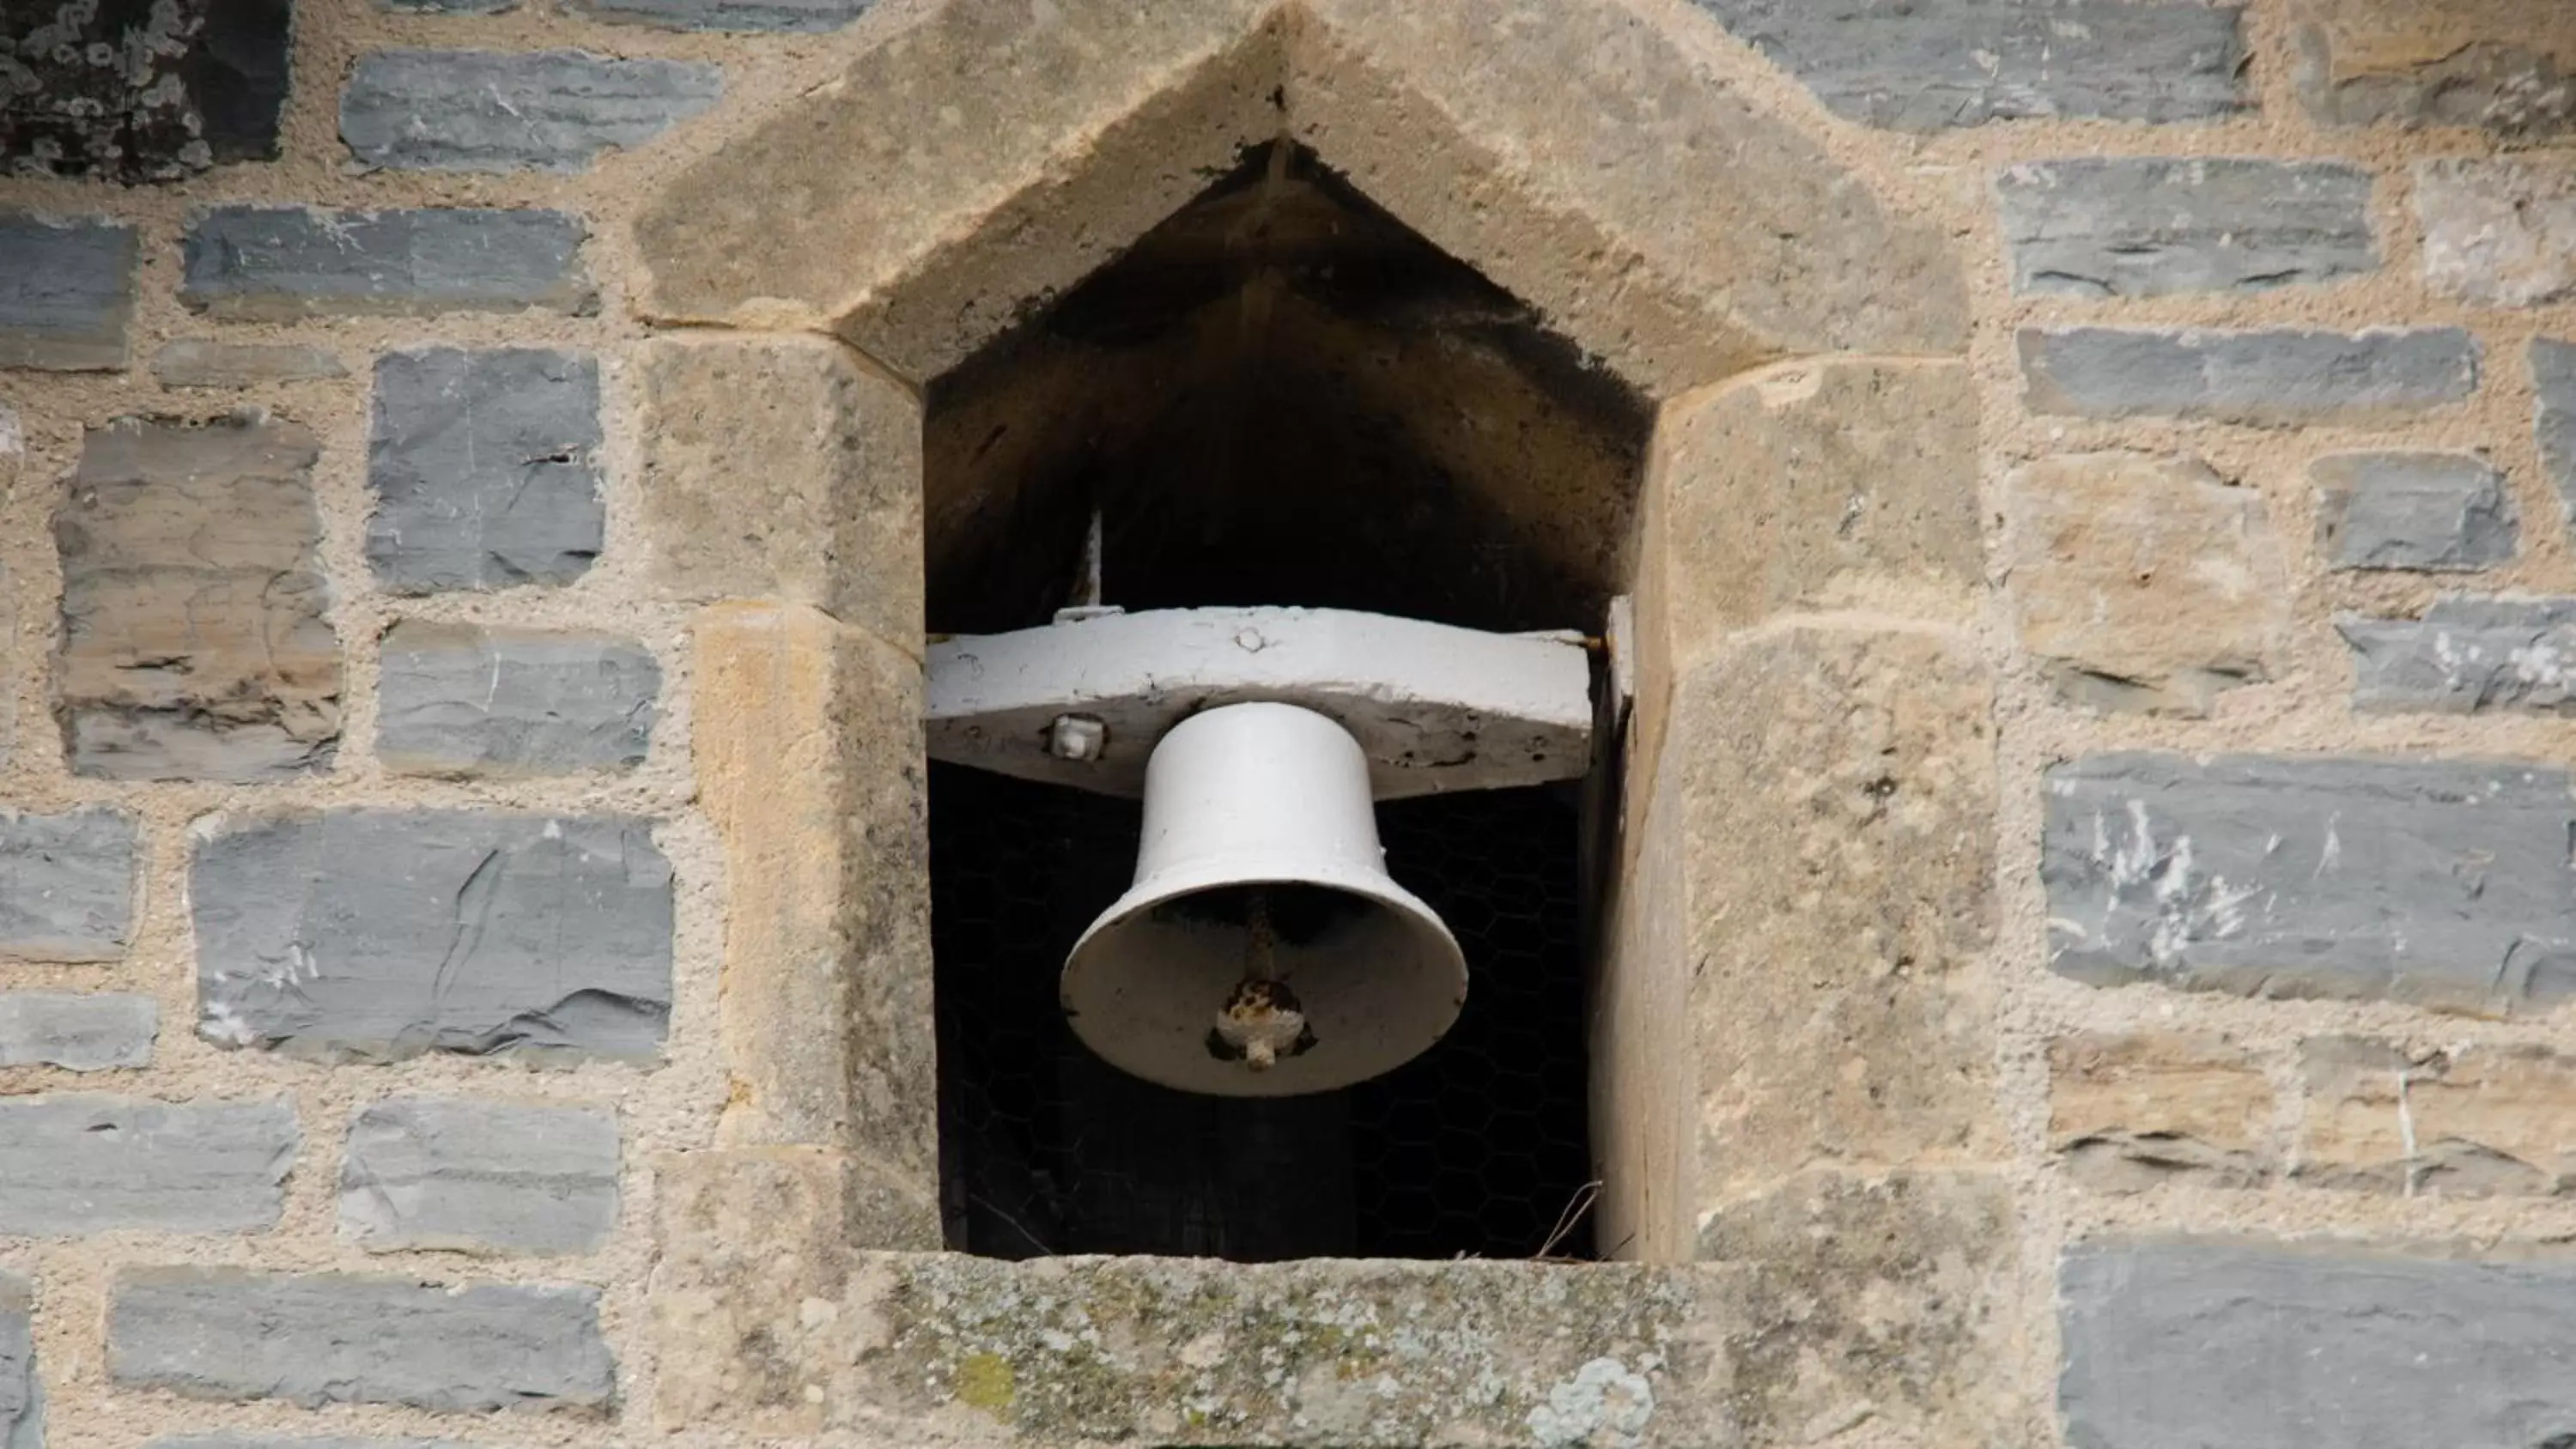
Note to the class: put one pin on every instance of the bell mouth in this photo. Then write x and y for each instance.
(1158, 986)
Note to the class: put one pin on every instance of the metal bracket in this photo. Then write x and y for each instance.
(1082, 701)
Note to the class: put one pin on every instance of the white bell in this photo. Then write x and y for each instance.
(1263, 951)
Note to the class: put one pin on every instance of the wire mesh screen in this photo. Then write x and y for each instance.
(1475, 1148)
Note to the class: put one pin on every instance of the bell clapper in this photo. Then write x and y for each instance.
(1262, 1019)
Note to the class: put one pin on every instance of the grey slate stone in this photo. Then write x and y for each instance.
(1929, 64)
(2152, 226)
(485, 468)
(2509, 89)
(2467, 656)
(462, 699)
(66, 292)
(220, 1333)
(77, 1031)
(2223, 1345)
(280, 263)
(2439, 883)
(72, 1165)
(22, 1392)
(2272, 379)
(2440, 512)
(491, 110)
(380, 934)
(2553, 423)
(805, 15)
(196, 362)
(481, 1177)
(66, 884)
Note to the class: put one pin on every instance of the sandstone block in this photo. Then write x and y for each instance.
(2275, 1346)
(280, 263)
(2467, 656)
(480, 1177)
(1886, 1300)
(2151, 226)
(2441, 882)
(737, 1341)
(77, 1032)
(2131, 1110)
(2440, 512)
(2262, 379)
(196, 362)
(781, 467)
(75, 1165)
(66, 884)
(2553, 424)
(500, 111)
(462, 699)
(1300, 1355)
(2500, 64)
(291, 1441)
(1802, 484)
(66, 292)
(194, 641)
(376, 934)
(827, 1011)
(800, 15)
(221, 1333)
(2474, 1122)
(2143, 582)
(1839, 845)
(485, 468)
(22, 1392)
(2499, 232)
(127, 93)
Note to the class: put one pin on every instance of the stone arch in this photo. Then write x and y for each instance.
(1791, 1027)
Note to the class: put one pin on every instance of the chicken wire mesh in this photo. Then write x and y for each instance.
(1475, 1148)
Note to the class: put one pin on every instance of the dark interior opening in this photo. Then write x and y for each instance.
(1279, 396)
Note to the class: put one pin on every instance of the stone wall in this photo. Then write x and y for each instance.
(2090, 954)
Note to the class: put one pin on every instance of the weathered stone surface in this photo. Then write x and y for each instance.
(66, 884)
(736, 1343)
(493, 110)
(2143, 582)
(2442, 883)
(485, 469)
(2500, 232)
(1307, 1354)
(781, 467)
(1879, 1300)
(74, 1165)
(1838, 786)
(479, 1177)
(379, 934)
(449, 7)
(2440, 512)
(1938, 63)
(2553, 423)
(2129, 1111)
(280, 263)
(2502, 64)
(194, 642)
(221, 1333)
(2477, 1121)
(1807, 483)
(2258, 1346)
(827, 1012)
(75, 1031)
(22, 1391)
(66, 290)
(804, 15)
(462, 699)
(2266, 379)
(197, 362)
(140, 92)
(1585, 159)
(291, 1441)
(2467, 656)
(2152, 226)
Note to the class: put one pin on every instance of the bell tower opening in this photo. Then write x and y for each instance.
(1280, 396)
